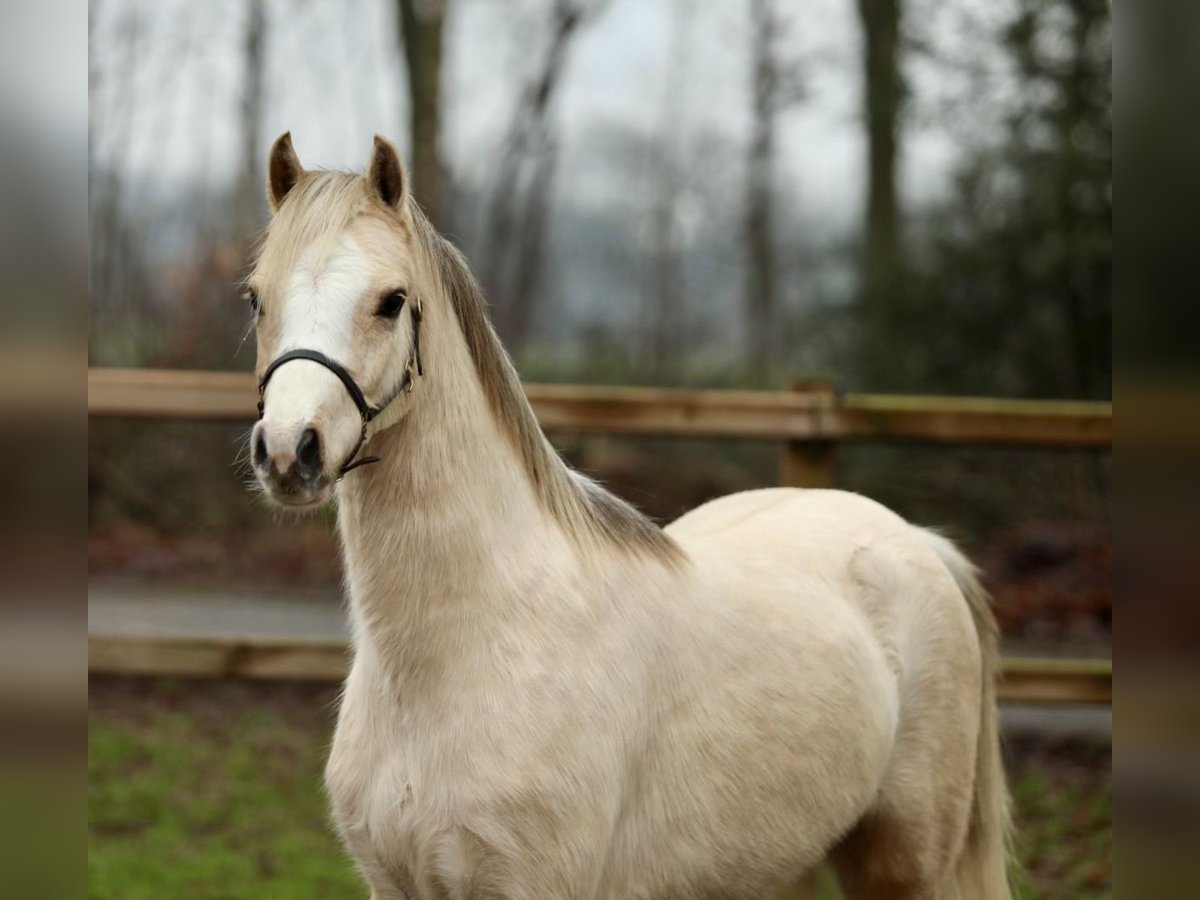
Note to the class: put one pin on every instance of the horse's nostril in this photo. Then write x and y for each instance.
(260, 451)
(308, 452)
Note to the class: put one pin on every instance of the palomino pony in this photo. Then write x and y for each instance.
(551, 697)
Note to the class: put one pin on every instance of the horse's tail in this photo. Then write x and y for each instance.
(981, 870)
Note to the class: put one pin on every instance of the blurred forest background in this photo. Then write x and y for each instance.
(898, 195)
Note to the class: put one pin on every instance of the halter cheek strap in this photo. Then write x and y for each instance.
(366, 411)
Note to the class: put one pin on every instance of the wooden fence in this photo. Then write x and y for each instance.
(300, 658)
(808, 421)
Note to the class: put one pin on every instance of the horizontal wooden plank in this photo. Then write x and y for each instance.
(765, 415)
(219, 656)
(979, 420)
(171, 394)
(1036, 680)
(680, 412)
(1024, 680)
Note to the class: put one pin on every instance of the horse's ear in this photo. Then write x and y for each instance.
(385, 176)
(283, 170)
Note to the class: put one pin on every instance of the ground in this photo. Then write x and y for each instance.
(212, 791)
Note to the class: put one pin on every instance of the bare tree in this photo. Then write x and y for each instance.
(93, 169)
(667, 313)
(883, 98)
(775, 84)
(760, 254)
(1079, 108)
(111, 241)
(516, 223)
(250, 183)
(668, 174)
(421, 27)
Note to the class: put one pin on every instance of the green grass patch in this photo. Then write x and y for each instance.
(210, 806)
(212, 791)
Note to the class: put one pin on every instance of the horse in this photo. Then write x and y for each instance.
(550, 695)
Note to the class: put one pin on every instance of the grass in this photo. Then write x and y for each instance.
(1063, 806)
(207, 801)
(212, 791)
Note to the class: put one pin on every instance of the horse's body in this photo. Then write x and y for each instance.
(552, 698)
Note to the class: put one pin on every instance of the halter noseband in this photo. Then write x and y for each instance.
(366, 411)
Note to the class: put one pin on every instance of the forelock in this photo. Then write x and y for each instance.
(312, 217)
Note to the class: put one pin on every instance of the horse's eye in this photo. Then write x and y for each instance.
(391, 303)
(251, 297)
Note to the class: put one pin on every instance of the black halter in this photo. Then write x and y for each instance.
(366, 411)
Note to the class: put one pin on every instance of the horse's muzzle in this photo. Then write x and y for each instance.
(292, 475)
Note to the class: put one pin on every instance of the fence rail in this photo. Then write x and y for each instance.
(817, 414)
(294, 658)
(808, 421)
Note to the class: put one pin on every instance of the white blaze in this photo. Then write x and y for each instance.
(323, 295)
(319, 312)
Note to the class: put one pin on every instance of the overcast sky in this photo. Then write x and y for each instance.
(165, 101)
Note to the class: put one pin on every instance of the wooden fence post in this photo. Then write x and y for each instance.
(810, 463)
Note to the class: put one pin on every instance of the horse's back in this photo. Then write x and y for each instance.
(791, 512)
(828, 555)
(783, 545)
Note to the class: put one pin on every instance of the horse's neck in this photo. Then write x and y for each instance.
(443, 537)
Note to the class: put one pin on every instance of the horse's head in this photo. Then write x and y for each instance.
(337, 291)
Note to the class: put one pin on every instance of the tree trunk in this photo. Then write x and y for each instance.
(97, 307)
(251, 189)
(664, 317)
(421, 34)
(1077, 281)
(883, 88)
(520, 207)
(526, 281)
(760, 302)
(109, 263)
(666, 320)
